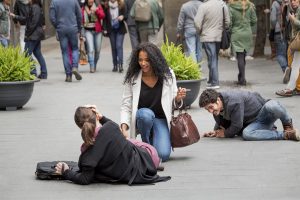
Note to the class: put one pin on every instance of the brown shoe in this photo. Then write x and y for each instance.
(292, 135)
(68, 78)
(285, 93)
(76, 73)
(288, 126)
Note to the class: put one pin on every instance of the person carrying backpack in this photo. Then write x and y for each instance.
(149, 18)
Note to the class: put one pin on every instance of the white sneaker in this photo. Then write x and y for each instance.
(232, 58)
(249, 58)
(212, 87)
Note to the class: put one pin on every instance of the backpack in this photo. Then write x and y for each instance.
(143, 12)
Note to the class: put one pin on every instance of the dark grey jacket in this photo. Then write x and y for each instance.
(240, 109)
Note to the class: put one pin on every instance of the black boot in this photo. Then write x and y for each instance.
(115, 68)
(120, 68)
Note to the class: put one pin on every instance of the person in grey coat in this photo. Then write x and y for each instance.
(66, 17)
(186, 28)
(132, 29)
(245, 113)
(209, 24)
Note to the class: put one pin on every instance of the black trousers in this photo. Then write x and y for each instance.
(241, 61)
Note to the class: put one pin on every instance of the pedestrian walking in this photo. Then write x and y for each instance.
(92, 16)
(5, 24)
(293, 86)
(209, 24)
(186, 29)
(148, 29)
(21, 8)
(114, 28)
(66, 18)
(131, 25)
(34, 34)
(242, 18)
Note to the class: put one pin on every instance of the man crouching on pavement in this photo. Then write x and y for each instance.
(244, 113)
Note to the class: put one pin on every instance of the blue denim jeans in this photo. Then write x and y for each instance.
(262, 127)
(4, 42)
(154, 131)
(116, 42)
(212, 51)
(194, 47)
(66, 39)
(93, 41)
(281, 51)
(34, 47)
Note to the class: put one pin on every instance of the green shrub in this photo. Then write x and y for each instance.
(15, 65)
(185, 68)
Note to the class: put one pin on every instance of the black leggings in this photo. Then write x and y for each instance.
(241, 61)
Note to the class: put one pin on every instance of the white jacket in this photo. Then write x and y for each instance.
(131, 95)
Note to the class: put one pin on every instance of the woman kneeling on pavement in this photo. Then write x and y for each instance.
(107, 156)
(150, 89)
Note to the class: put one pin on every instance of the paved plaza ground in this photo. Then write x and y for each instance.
(44, 130)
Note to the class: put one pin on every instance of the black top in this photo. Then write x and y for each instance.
(151, 98)
(114, 159)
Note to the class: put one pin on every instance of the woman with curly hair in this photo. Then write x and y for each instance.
(150, 89)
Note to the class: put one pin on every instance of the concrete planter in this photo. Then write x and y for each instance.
(193, 86)
(14, 95)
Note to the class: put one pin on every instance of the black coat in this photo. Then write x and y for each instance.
(34, 23)
(114, 159)
(107, 20)
(22, 10)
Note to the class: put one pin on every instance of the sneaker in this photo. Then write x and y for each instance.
(212, 87)
(76, 73)
(249, 58)
(291, 135)
(285, 93)
(232, 58)
(286, 75)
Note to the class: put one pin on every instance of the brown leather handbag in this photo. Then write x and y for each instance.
(183, 130)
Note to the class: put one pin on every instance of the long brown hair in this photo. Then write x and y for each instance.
(85, 119)
(244, 4)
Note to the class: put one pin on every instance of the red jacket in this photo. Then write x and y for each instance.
(100, 15)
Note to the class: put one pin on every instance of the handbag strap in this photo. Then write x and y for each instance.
(180, 107)
(223, 18)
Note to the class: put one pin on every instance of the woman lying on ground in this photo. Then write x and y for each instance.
(107, 156)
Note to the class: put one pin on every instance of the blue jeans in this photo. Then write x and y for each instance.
(116, 42)
(262, 127)
(4, 42)
(281, 51)
(194, 47)
(154, 131)
(212, 51)
(34, 47)
(93, 41)
(66, 39)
